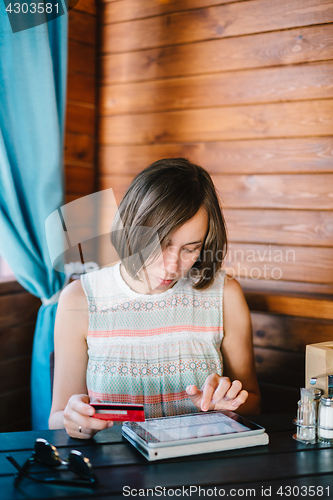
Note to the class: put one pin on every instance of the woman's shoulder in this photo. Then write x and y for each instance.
(233, 295)
(99, 284)
(231, 285)
(80, 289)
(73, 294)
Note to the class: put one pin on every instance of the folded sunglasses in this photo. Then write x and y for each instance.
(47, 454)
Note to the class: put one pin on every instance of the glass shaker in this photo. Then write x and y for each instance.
(325, 419)
(306, 418)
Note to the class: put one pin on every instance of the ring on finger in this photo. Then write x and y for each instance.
(80, 428)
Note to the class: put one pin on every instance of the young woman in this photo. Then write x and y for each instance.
(165, 326)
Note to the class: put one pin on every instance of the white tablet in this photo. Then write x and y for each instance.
(193, 433)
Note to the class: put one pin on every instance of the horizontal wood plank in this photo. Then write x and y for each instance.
(18, 309)
(276, 191)
(79, 180)
(292, 227)
(11, 404)
(81, 58)
(239, 18)
(292, 119)
(82, 27)
(19, 425)
(81, 87)
(16, 341)
(14, 372)
(279, 367)
(88, 6)
(290, 304)
(289, 333)
(73, 196)
(79, 164)
(79, 147)
(244, 157)
(80, 118)
(278, 398)
(290, 83)
(9, 286)
(293, 46)
(118, 183)
(286, 286)
(259, 191)
(115, 12)
(278, 262)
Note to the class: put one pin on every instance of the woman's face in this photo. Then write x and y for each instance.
(176, 259)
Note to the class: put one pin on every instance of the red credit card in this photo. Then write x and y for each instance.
(122, 412)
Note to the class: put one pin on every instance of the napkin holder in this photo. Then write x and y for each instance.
(318, 361)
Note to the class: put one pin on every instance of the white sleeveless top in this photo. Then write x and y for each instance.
(148, 348)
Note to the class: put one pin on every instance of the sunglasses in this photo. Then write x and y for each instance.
(47, 454)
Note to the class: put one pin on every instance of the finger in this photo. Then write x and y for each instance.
(87, 433)
(80, 432)
(210, 386)
(192, 390)
(81, 405)
(241, 398)
(75, 419)
(221, 390)
(106, 425)
(233, 404)
(195, 395)
(234, 390)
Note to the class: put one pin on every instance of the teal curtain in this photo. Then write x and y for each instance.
(33, 74)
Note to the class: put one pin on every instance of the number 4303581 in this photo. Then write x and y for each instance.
(33, 8)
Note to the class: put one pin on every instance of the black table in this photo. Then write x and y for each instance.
(283, 469)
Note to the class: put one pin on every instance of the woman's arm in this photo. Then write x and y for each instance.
(70, 404)
(238, 389)
(237, 345)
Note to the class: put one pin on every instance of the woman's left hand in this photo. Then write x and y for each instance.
(217, 393)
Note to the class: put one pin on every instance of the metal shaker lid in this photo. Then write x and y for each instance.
(326, 400)
(317, 393)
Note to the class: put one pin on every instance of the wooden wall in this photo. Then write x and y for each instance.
(18, 313)
(283, 324)
(245, 88)
(82, 95)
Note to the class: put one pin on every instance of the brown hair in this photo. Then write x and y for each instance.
(163, 197)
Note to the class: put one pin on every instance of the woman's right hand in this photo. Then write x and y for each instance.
(77, 415)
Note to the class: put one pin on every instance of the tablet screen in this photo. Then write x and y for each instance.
(197, 425)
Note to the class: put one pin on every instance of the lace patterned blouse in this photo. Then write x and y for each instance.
(148, 348)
